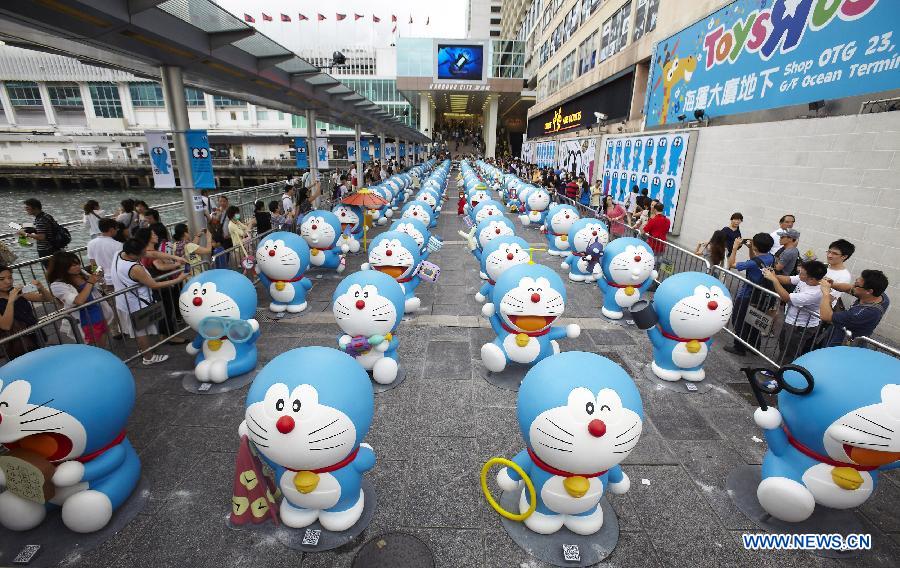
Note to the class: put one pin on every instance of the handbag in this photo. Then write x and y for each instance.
(151, 313)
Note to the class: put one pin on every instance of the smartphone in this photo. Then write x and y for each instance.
(29, 289)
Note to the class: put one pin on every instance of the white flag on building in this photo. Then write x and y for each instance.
(160, 158)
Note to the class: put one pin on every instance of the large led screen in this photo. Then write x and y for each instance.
(460, 62)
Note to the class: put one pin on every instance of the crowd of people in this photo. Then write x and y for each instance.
(459, 133)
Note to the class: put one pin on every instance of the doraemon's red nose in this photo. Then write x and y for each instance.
(313, 227)
(490, 212)
(360, 304)
(497, 231)
(285, 424)
(509, 256)
(594, 233)
(712, 304)
(197, 301)
(389, 252)
(271, 253)
(535, 297)
(343, 213)
(637, 258)
(597, 428)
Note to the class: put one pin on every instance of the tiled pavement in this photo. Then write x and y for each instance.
(432, 433)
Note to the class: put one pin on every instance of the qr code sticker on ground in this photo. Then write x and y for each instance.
(571, 553)
(311, 537)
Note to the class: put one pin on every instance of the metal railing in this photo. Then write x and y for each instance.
(869, 343)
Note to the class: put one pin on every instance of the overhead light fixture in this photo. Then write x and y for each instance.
(816, 106)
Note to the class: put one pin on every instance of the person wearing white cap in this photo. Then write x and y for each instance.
(786, 222)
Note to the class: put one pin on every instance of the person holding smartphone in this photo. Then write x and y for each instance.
(73, 286)
(17, 313)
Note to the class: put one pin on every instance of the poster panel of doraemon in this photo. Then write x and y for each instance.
(690, 308)
(525, 303)
(420, 211)
(415, 229)
(66, 441)
(351, 219)
(583, 234)
(223, 349)
(307, 414)
(397, 255)
(557, 223)
(499, 255)
(321, 230)
(282, 259)
(577, 157)
(627, 271)
(580, 415)
(829, 446)
(368, 306)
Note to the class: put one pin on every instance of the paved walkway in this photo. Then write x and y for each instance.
(434, 431)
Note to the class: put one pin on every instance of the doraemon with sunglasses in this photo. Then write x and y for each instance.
(219, 305)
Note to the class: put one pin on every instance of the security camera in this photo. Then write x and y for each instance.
(600, 116)
(338, 58)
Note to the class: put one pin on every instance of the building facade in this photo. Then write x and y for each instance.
(484, 19)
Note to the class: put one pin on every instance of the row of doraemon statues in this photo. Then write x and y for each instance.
(394, 191)
(822, 450)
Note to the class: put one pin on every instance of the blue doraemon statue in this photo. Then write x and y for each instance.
(75, 428)
(221, 294)
(382, 214)
(828, 447)
(282, 258)
(351, 219)
(525, 302)
(558, 222)
(497, 257)
(420, 211)
(431, 197)
(580, 415)
(307, 413)
(322, 232)
(536, 204)
(627, 270)
(397, 255)
(415, 229)
(368, 306)
(582, 234)
(690, 307)
(486, 210)
(475, 195)
(488, 230)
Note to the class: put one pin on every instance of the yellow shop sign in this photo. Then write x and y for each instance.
(562, 122)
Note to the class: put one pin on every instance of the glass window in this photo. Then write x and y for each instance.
(23, 94)
(587, 54)
(567, 69)
(65, 97)
(221, 101)
(495, 21)
(615, 31)
(280, 115)
(645, 17)
(105, 98)
(553, 80)
(262, 115)
(495, 9)
(146, 94)
(194, 97)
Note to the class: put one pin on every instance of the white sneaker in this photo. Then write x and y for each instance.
(156, 358)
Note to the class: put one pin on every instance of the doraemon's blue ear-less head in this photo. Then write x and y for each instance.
(628, 261)
(309, 408)
(368, 303)
(395, 254)
(580, 412)
(529, 298)
(44, 410)
(503, 253)
(414, 228)
(219, 293)
(585, 231)
(852, 414)
(430, 197)
(692, 305)
(320, 228)
(538, 200)
(492, 228)
(487, 209)
(350, 216)
(418, 209)
(282, 255)
(561, 217)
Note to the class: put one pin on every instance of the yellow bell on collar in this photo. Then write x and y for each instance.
(306, 481)
(214, 344)
(314, 252)
(576, 486)
(279, 286)
(693, 346)
(522, 339)
(846, 478)
(564, 238)
(629, 290)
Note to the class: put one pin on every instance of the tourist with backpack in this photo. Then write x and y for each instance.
(749, 295)
(49, 236)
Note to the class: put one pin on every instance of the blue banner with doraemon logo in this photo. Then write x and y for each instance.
(201, 159)
(760, 54)
(364, 150)
(301, 153)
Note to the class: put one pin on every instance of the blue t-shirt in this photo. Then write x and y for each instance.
(752, 269)
(860, 319)
(731, 235)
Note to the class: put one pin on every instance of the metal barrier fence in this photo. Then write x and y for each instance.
(122, 328)
(869, 343)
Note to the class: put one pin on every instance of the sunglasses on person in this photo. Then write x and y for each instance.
(235, 330)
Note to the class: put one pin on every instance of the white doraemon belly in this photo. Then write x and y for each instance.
(819, 482)
(561, 242)
(317, 257)
(284, 295)
(534, 215)
(555, 496)
(226, 352)
(626, 301)
(369, 358)
(518, 354)
(685, 359)
(324, 496)
(347, 239)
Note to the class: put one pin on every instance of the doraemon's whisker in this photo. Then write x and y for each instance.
(689, 314)
(553, 448)
(252, 431)
(328, 448)
(626, 441)
(381, 320)
(323, 427)
(690, 307)
(41, 430)
(554, 437)
(855, 443)
(38, 406)
(329, 437)
(41, 418)
(255, 443)
(873, 422)
(627, 431)
(560, 427)
(865, 432)
(258, 425)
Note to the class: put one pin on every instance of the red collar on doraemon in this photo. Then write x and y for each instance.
(334, 467)
(673, 337)
(811, 453)
(118, 440)
(295, 279)
(325, 248)
(615, 285)
(528, 333)
(553, 471)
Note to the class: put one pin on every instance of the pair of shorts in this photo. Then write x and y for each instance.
(94, 331)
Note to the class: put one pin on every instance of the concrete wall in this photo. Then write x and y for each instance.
(840, 176)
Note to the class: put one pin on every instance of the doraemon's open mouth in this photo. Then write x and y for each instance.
(50, 445)
(531, 323)
(474, 204)
(392, 271)
(345, 226)
(869, 457)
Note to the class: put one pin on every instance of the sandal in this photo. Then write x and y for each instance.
(154, 359)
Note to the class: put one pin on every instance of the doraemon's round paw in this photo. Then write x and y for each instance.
(621, 487)
(68, 474)
(218, 371)
(19, 514)
(296, 308)
(341, 268)
(389, 213)
(87, 511)
(564, 265)
(276, 307)
(480, 298)
(506, 482)
(383, 220)
(364, 266)
(344, 341)
(254, 325)
(411, 305)
(493, 358)
(767, 419)
(488, 310)
(354, 246)
(191, 350)
(573, 330)
(384, 372)
(654, 275)
(345, 247)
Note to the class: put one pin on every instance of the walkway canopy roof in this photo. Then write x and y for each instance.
(217, 52)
